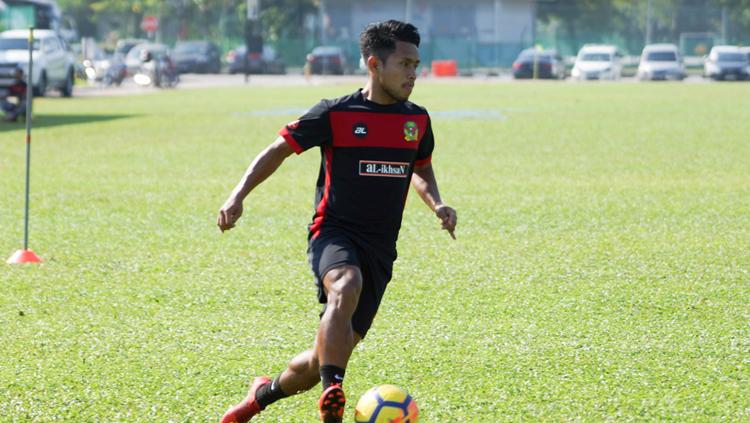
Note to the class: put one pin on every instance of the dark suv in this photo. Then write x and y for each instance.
(197, 57)
(548, 63)
(327, 60)
(266, 62)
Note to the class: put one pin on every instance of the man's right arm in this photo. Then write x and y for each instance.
(264, 165)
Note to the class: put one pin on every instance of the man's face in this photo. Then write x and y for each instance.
(399, 71)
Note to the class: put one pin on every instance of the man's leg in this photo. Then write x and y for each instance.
(336, 338)
(303, 372)
(341, 287)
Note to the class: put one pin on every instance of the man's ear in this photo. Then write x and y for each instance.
(372, 63)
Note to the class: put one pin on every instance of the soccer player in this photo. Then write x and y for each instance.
(373, 143)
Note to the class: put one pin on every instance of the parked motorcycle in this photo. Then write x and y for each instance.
(116, 72)
(12, 94)
(156, 70)
(107, 71)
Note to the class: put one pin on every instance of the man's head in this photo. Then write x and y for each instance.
(390, 51)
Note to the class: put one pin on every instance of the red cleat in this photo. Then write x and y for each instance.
(249, 407)
(332, 404)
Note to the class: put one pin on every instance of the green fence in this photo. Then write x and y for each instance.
(467, 53)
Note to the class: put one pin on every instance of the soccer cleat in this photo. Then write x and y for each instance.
(249, 407)
(332, 404)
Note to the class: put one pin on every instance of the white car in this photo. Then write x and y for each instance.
(726, 63)
(661, 62)
(746, 50)
(597, 62)
(54, 63)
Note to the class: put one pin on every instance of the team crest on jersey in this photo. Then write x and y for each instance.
(359, 130)
(411, 131)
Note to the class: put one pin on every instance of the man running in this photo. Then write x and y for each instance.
(372, 144)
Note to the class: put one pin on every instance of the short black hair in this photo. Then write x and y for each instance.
(379, 39)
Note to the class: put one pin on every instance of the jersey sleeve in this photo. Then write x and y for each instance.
(311, 130)
(426, 145)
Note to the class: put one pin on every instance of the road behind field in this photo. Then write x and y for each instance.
(189, 81)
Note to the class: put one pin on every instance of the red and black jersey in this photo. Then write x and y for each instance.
(18, 89)
(368, 154)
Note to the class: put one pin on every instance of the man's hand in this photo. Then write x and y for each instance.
(448, 217)
(229, 214)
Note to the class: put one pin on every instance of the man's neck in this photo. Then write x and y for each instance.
(375, 93)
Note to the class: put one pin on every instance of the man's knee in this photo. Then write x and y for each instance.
(313, 363)
(306, 363)
(343, 285)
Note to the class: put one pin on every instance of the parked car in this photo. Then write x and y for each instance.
(54, 62)
(327, 60)
(548, 64)
(123, 46)
(597, 62)
(746, 50)
(133, 58)
(661, 62)
(197, 57)
(726, 63)
(267, 62)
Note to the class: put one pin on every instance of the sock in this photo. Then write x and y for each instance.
(331, 375)
(270, 393)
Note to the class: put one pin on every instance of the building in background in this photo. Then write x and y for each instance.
(476, 33)
(22, 14)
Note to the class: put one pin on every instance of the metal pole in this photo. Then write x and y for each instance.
(408, 11)
(29, 95)
(245, 60)
(496, 27)
(533, 22)
(649, 14)
(253, 37)
(323, 30)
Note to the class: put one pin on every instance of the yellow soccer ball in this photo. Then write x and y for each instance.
(386, 404)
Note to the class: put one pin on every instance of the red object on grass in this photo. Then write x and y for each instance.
(24, 256)
(444, 68)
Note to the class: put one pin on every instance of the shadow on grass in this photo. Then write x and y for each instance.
(45, 121)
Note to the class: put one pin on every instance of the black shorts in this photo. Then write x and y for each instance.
(332, 249)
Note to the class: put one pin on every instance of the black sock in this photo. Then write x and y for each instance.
(331, 375)
(270, 393)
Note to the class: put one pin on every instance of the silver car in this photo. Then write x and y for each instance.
(726, 63)
(661, 62)
(54, 63)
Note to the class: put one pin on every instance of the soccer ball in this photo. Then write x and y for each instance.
(386, 404)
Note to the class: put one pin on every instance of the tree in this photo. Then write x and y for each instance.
(207, 19)
(625, 20)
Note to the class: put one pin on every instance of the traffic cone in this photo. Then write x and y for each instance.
(24, 256)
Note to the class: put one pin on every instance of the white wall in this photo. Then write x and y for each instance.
(504, 20)
(495, 20)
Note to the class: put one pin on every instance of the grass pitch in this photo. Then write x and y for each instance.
(601, 270)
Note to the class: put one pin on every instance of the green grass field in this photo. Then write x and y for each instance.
(601, 271)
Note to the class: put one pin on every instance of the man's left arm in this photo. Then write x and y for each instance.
(423, 180)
